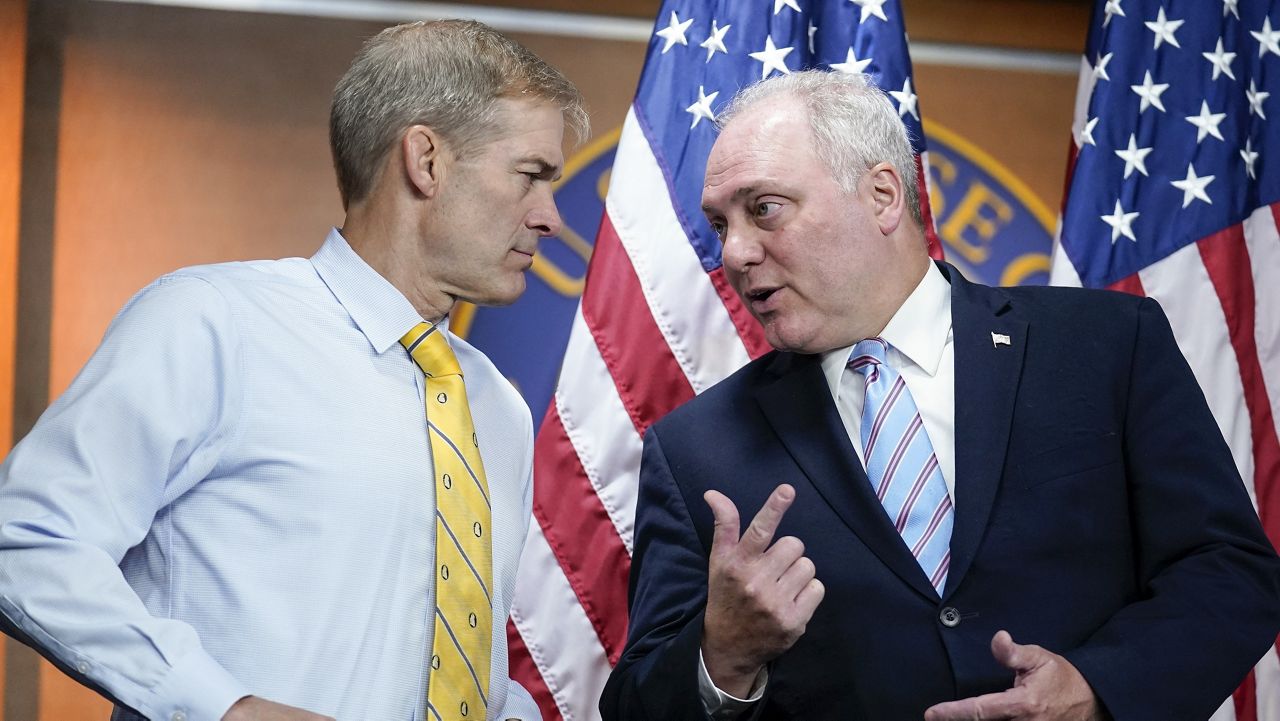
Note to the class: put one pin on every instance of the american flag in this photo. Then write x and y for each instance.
(1172, 190)
(658, 322)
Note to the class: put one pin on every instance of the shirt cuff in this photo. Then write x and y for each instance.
(197, 688)
(720, 705)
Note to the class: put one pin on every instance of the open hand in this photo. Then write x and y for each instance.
(759, 597)
(1047, 687)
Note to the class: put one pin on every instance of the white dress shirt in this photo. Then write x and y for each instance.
(922, 351)
(234, 497)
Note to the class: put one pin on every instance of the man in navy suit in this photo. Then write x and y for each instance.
(987, 503)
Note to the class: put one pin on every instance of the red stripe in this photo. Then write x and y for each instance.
(580, 533)
(1245, 699)
(748, 327)
(525, 672)
(1131, 285)
(649, 380)
(1226, 257)
(894, 394)
(1073, 152)
(926, 213)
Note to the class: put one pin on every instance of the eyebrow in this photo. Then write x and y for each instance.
(737, 195)
(545, 169)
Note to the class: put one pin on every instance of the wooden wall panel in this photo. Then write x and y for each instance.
(13, 44)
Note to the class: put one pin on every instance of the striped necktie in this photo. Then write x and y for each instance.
(462, 642)
(901, 465)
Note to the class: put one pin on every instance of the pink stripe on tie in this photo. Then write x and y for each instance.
(941, 572)
(944, 507)
(892, 467)
(916, 489)
(894, 394)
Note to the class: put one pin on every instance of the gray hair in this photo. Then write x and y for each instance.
(445, 74)
(854, 125)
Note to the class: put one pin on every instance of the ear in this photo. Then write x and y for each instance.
(889, 205)
(422, 152)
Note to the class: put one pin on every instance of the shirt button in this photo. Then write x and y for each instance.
(949, 617)
(178, 716)
(83, 667)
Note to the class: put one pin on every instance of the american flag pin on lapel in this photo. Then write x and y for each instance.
(999, 339)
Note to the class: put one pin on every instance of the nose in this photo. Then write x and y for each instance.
(545, 216)
(741, 250)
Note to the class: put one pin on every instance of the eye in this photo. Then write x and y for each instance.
(718, 227)
(764, 208)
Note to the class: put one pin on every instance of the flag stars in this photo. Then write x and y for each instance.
(1231, 6)
(779, 4)
(1193, 186)
(702, 108)
(1100, 67)
(1250, 156)
(715, 42)
(813, 29)
(1134, 157)
(1164, 29)
(869, 8)
(1111, 8)
(1268, 40)
(1221, 60)
(851, 64)
(906, 100)
(1086, 133)
(1255, 98)
(1121, 223)
(772, 58)
(1150, 93)
(674, 32)
(1206, 122)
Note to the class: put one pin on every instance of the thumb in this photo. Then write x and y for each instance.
(1015, 656)
(725, 536)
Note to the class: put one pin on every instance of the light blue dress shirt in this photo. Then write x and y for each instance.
(234, 497)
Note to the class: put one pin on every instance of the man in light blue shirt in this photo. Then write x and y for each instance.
(230, 512)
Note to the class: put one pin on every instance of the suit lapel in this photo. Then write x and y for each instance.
(987, 372)
(799, 408)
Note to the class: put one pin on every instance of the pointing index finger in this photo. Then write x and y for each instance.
(759, 534)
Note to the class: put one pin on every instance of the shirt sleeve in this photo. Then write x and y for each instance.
(143, 422)
(722, 706)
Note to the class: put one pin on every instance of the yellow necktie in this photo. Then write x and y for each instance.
(459, 681)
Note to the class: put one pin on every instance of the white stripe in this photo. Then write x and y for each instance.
(1263, 241)
(1225, 712)
(557, 632)
(1061, 270)
(599, 428)
(1084, 92)
(681, 298)
(1267, 676)
(1181, 283)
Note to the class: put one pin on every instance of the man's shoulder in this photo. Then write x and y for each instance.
(725, 401)
(483, 377)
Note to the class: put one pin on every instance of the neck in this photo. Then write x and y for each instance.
(385, 239)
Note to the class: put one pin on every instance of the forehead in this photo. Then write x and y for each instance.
(764, 146)
(531, 128)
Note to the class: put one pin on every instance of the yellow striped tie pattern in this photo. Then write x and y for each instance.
(459, 685)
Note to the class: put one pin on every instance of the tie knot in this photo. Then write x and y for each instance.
(868, 354)
(429, 349)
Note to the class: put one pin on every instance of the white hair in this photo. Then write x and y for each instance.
(853, 122)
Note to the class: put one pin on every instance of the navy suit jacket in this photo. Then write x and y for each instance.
(1098, 513)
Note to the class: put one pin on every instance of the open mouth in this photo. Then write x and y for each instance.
(761, 295)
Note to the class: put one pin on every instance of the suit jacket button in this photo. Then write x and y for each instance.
(949, 617)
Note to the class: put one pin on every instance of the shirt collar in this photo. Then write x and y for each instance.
(918, 331)
(378, 309)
